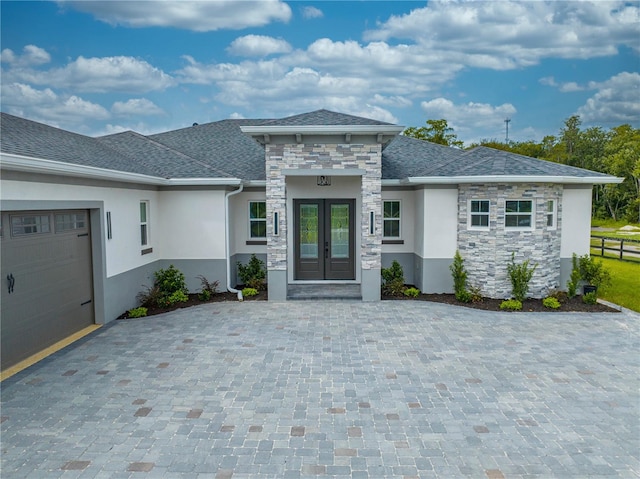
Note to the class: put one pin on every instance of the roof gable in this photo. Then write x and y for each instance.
(323, 118)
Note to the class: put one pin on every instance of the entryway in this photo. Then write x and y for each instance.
(324, 239)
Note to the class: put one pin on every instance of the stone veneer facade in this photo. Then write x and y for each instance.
(361, 158)
(487, 253)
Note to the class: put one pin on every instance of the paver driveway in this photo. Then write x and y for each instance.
(392, 389)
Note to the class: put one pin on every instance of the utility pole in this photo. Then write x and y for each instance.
(506, 123)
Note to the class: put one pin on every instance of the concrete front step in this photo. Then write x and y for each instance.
(324, 291)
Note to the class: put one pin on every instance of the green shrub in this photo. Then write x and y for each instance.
(551, 303)
(590, 298)
(511, 305)
(253, 273)
(170, 280)
(459, 275)
(174, 298)
(412, 292)
(393, 279)
(593, 271)
(204, 295)
(520, 276)
(137, 312)
(248, 292)
(574, 279)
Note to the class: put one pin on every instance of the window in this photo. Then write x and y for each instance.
(30, 224)
(519, 214)
(479, 214)
(391, 219)
(144, 223)
(257, 219)
(551, 214)
(72, 221)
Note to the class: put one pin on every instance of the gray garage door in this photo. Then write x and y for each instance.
(47, 291)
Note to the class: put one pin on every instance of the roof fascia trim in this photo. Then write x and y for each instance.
(591, 180)
(322, 129)
(28, 164)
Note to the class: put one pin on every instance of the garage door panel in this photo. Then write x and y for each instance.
(53, 278)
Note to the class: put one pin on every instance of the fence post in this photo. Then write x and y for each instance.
(621, 248)
(602, 248)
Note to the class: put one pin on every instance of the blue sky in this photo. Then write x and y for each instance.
(100, 67)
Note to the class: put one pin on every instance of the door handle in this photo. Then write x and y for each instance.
(326, 250)
(11, 282)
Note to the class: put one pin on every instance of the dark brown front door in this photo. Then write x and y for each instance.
(324, 239)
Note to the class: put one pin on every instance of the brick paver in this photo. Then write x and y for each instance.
(333, 389)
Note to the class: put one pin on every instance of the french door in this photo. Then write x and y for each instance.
(324, 239)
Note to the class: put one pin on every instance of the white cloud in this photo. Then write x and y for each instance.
(198, 15)
(469, 118)
(508, 34)
(32, 55)
(312, 12)
(47, 106)
(616, 101)
(106, 74)
(258, 46)
(236, 116)
(136, 107)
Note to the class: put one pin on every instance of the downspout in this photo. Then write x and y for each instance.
(227, 248)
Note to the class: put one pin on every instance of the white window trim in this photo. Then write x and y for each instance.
(249, 220)
(554, 212)
(145, 223)
(399, 220)
(470, 214)
(533, 215)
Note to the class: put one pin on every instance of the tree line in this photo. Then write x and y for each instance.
(614, 152)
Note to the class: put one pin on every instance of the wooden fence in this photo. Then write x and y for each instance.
(617, 247)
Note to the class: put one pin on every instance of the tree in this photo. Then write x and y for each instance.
(436, 131)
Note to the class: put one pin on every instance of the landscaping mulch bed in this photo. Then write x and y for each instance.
(194, 301)
(529, 305)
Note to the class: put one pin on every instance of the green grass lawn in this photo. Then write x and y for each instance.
(625, 283)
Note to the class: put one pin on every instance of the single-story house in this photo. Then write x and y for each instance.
(320, 197)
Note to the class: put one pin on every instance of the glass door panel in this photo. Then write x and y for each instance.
(339, 230)
(309, 221)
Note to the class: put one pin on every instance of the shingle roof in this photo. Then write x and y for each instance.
(221, 150)
(37, 140)
(323, 118)
(221, 145)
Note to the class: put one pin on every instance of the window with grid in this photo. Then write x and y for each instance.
(518, 214)
(70, 221)
(391, 219)
(479, 214)
(551, 214)
(257, 219)
(30, 224)
(144, 223)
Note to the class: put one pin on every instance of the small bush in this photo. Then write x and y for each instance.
(170, 280)
(561, 296)
(475, 295)
(412, 292)
(253, 273)
(590, 298)
(520, 276)
(511, 305)
(551, 303)
(393, 279)
(137, 312)
(150, 296)
(593, 271)
(207, 285)
(574, 279)
(175, 297)
(459, 275)
(248, 292)
(204, 295)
